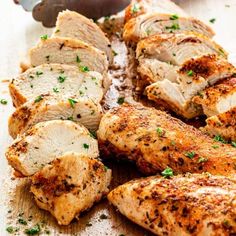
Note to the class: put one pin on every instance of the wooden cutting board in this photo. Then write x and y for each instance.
(19, 32)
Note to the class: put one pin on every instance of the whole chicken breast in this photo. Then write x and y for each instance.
(69, 51)
(154, 140)
(219, 98)
(69, 185)
(223, 125)
(138, 7)
(57, 79)
(46, 141)
(46, 107)
(146, 25)
(191, 204)
(73, 25)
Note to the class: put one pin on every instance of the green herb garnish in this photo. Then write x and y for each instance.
(168, 172)
(3, 101)
(120, 100)
(135, 8)
(84, 68)
(44, 37)
(212, 20)
(33, 230)
(190, 155)
(38, 99)
(86, 146)
(38, 73)
(202, 159)
(190, 73)
(61, 79)
(174, 17)
(72, 102)
(78, 59)
(55, 90)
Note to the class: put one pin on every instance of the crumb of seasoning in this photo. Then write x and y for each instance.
(173, 27)
(33, 230)
(57, 31)
(121, 235)
(55, 90)
(168, 172)
(78, 59)
(44, 37)
(215, 146)
(38, 73)
(120, 100)
(212, 20)
(88, 224)
(93, 134)
(103, 217)
(3, 101)
(38, 99)
(114, 53)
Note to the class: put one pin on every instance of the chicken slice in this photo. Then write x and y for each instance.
(219, 98)
(70, 24)
(46, 141)
(69, 51)
(138, 7)
(177, 48)
(149, 24)
(80, 110)
(169, 95)
(57, 79)
(223, 125)
(71, 184)
(191, 204)
(155, 140)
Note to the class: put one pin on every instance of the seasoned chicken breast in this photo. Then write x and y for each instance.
(138, 7)
(46, 141)
(69, 51)
(154, 140)
(219, 98)
(71, 184)
(191, 204)
(223, 125)
(70, 24)
(149, 24)
(57, 79)
(46, 107)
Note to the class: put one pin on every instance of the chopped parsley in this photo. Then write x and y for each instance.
(86, 146)
(106, 168)
(168, 172)
(173, 27)
(93, 78)
(61, 79)
(72, 102)
(38, 99)
(233, 143)
(107, 18)
(160, 131)
(22, 221)
(148, 31)
(190, 155)
(114, 53)
(174, 17)
(57, 31)
(11, 229)
(190, 73)
(3, 101)
(218, 138)
(84, 68)
(200, 94)
(44, 37)
(135, 8)
(38, 73)
(202, 159)
(120, 100)
(212, 20)
(215, 146)
(70, 118)
(33, 230)
(93, 134)
(78, 59)
(55, 90)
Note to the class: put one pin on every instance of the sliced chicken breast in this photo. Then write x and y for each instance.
(177, 48)
(57, 79)
(69, 51)
(219, 98)
(70, 24)
(191, 204)
(155, 141)
(46, 141)
(169, 95)
(45, 108)
(223, 125)
(71, 184)
(149, 24)
(138, 7)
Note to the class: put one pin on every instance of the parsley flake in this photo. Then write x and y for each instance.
(61, 79)
(78, 59)
(3, 101)
(202, 159)
(33, 230)
(168, 172)
(86, 146)
(174, 17)
(190, 73)
(212, 20)
(135, 8)
(190, 155)
(233, 143)
(84, 68)
(160, 131)
(55, 90)
(44, 37)
(120, 100)
(72, 102)
(38, 99)
(173, 27)
(218, 138)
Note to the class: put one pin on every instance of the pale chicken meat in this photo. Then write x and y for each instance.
(57, 79)
(192, 77)
(46, 141)
(80, 110)
(73, 25)
(191, 204)
(69, 185)
(219, 98)
(223, 125)
(146, 25)
(154, 141)
(69, 51)
(138, 7)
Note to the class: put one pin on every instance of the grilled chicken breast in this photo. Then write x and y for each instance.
(69, 51)
(70, 185)
(149, 24)
(138, 7)
(223, 124)
(56, 79)
(46, 107)
(192, 204)
(70, 24)
(155, 140)
(219, 98)
(46, 141)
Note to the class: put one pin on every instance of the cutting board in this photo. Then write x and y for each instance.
(19, 32)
